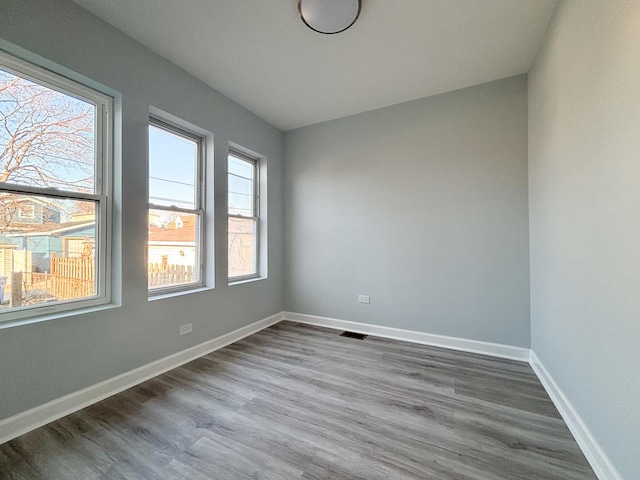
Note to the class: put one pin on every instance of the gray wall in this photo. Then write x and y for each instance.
(584, 191)
(41, 361)
(422, 206)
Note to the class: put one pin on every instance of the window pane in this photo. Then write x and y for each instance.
(240, 196)
(47, 138)
(173, 250)
(242, 247)
(173, 161)
(241, 187)
(240, 167)
(35, 266)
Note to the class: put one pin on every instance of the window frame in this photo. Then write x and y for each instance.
(255, 162)
(199, 209)
(27, 216)
(103, 184)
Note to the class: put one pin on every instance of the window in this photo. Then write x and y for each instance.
(78, 247)
(26, 212)
(55, 164)
(243, 216)
(176, 208)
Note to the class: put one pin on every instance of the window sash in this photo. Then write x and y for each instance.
(199, 260)
(256, 184)
(256, 250)
(101, 285)
(66, 86)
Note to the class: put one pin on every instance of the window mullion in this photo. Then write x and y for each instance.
(50, 192)
(246, 217)
(176, 209)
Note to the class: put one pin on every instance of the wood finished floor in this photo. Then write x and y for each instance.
(301, 402)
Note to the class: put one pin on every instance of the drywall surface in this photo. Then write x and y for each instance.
(423, 207)
(42, 361)
(584, 192)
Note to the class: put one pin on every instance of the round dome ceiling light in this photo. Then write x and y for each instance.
(329, 16)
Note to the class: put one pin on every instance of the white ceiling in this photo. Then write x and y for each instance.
(261, 55)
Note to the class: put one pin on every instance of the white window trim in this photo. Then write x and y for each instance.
(256, 214)
(31, 215)
(199, 210)
(103, 195)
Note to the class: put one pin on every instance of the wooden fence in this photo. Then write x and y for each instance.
(161, 275)
(74, 277)
(69, 278)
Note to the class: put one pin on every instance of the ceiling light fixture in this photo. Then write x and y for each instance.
(329, 16)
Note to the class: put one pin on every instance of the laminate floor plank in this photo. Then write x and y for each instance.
(370, 437)
(301, 402)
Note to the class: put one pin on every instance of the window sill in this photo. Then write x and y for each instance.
(245, 280)
(56, 315)
(178, 293)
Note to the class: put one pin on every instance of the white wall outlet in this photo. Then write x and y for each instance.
(188, 328)
(363, 299)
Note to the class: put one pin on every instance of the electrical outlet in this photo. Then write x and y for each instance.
(363, 299)
(188, 328)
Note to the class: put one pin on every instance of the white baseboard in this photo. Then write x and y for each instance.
(454, 343)
(597, 458)
(28, 420)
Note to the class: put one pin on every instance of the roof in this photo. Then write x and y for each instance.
(29, 230)
(25, 198)
(184, 234)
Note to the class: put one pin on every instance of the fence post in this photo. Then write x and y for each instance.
(16, 289)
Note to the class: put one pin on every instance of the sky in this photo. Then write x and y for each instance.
(172, 168)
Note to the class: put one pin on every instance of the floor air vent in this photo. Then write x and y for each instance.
(359, 336)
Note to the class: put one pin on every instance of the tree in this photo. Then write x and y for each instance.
(8, 212)
(46, 137)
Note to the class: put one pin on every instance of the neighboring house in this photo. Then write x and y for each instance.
(69, 239)
(31, 230)
(174, 244)
(26, 210)
(6, 258)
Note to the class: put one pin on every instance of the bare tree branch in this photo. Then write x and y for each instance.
(46, 137)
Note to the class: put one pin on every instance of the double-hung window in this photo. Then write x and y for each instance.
(55, 167)
(243, 216)
(175, 247)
